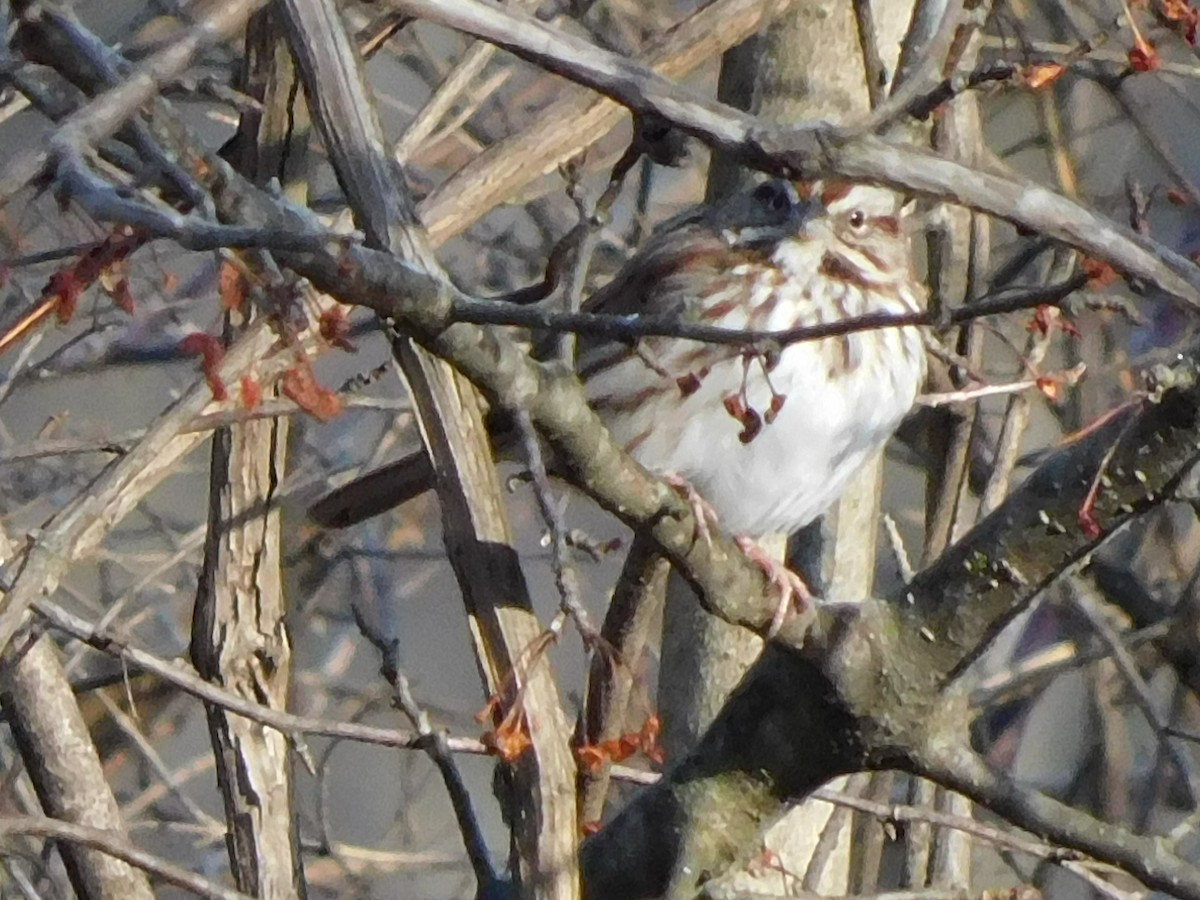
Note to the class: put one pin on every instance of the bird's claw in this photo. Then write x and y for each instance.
(793, 592)
(702, 510)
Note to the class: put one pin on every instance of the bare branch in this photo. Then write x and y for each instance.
(813, 150)
(478, 537)
(65, 769)
(118, 847)
(176, 672)
(104, 115)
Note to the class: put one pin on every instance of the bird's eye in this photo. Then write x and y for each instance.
(857, 218)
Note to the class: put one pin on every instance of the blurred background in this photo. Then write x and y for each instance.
(1051, 705)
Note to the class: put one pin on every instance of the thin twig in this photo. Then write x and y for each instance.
(903, 562)
(1043, 666)
(912, 81)
(973, 394)
(185, 679)
(810, 149)
(1071, 860)
(1127, 666)
(436, 746)
(104, 115)
(550, 507)
(864, 20)
(117, 847)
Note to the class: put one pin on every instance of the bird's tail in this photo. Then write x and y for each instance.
(374, 493)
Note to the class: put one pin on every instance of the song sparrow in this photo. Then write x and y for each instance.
(769, 440)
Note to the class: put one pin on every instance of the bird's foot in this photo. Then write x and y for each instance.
(702, 510)
(793, 592)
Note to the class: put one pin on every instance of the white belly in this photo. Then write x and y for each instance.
(842, 399)
(797, 465)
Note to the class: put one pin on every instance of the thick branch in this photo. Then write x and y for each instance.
(884, 674)
(53, 740)
(865, 682)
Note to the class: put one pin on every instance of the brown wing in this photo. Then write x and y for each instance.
(689, 254)
(663, 281)
(629, 292)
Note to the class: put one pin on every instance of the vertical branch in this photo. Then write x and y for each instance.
(875, 71)
(239, 641)
(808, 64)
(477, 534)
(959, 257)
(636, 603)
(42, 711)
(239, 635)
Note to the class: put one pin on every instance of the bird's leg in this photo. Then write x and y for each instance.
(793, 592)
(702, 510)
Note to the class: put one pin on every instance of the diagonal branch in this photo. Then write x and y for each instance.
(578, 118)
(107, 113)
(477, 535)
(811, 150)
(876, 687)
(879, 680)
(1152, 859)
(118, 847)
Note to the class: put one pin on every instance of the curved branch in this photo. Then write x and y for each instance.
(811, 150)
(117, 847)
(183, 677)
(1149, 858)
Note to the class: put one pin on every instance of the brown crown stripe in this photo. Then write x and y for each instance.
(835, 190)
